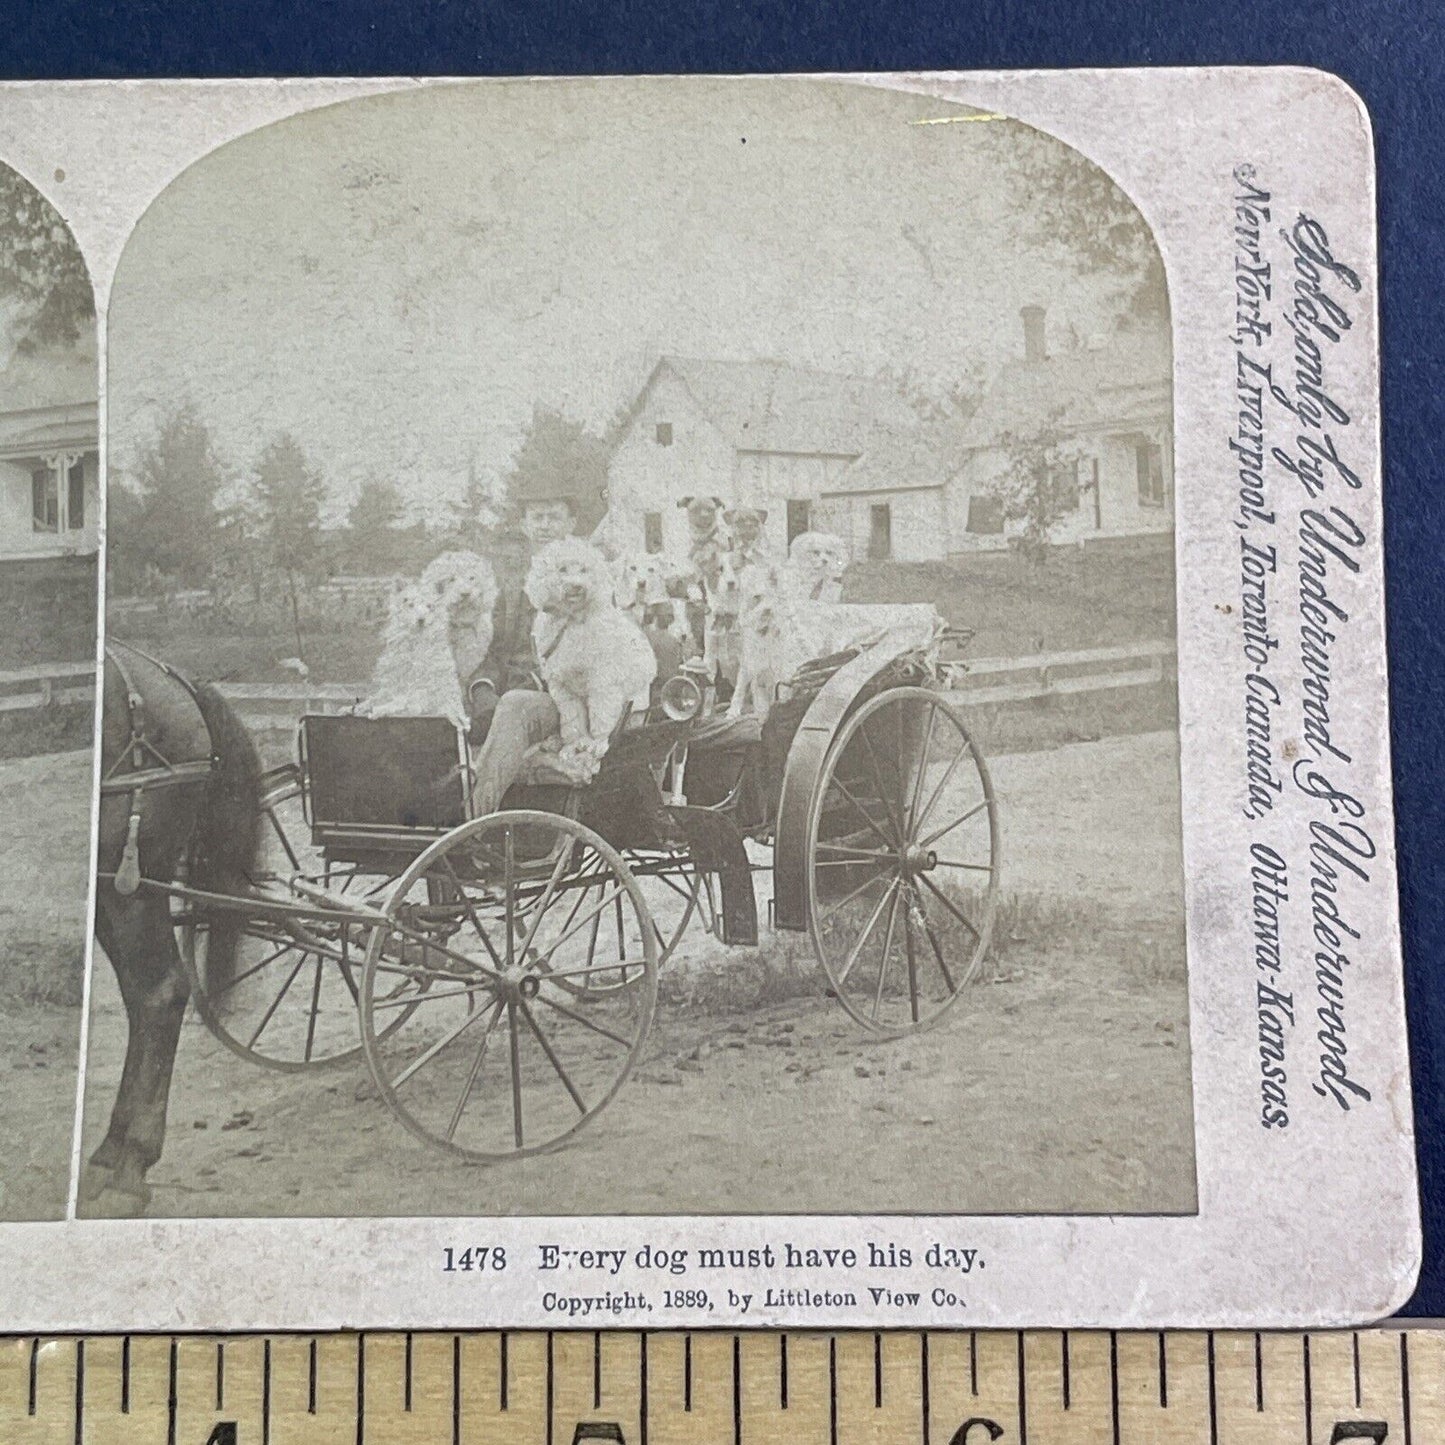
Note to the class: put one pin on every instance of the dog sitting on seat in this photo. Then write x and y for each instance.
(815, 567)
(438, 629)
(782, 629)
(641, 583)
(594, 658)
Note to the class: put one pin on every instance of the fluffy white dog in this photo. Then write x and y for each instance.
(781, 632)
(438, 629)
(815, 567)
(594, 658)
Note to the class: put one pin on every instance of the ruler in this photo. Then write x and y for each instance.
(714, 1388)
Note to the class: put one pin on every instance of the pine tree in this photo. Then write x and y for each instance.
(371, 526)
(288, 496)
(165, 519)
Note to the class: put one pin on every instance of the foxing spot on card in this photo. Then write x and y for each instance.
(724, 701)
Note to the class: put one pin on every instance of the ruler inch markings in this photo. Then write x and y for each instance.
(1086, 1387)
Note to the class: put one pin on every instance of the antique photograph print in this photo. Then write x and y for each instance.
(640, 667)
(49, 538)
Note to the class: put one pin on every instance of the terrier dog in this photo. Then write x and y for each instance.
(641, 583)
(747, 543)
(594, 658)
(706, 540)
(722, 646)
(641, 592)
(438, 629)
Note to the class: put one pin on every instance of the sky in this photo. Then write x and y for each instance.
(398, 280)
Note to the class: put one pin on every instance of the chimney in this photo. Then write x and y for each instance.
(1034, 346)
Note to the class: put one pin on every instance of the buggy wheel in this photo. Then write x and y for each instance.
(485, 950)
(290, 1002)
(678, 897)
(903, 860)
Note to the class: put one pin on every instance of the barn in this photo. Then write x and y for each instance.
(757, 434)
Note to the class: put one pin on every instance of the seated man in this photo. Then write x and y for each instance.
(594, 661)
(511, 661)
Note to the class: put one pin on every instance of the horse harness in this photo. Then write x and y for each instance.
(141, 764)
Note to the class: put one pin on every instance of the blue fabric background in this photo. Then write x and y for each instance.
(1391, 51)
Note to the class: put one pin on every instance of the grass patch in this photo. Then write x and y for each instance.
(59, 729)
(1078, 598)
(1036, 936)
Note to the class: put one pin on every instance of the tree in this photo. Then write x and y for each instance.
(165, 520)
(560, 457)
(371, 526)
(41, 268)
(289, 493)
(288, 496)
(1065, 204)
(1038, 485)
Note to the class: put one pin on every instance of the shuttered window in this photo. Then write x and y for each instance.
(75, 496)
(1149, 461)
(44, 500)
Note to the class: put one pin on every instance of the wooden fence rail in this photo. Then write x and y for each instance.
(978, 681)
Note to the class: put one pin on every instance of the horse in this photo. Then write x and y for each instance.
(180, 799)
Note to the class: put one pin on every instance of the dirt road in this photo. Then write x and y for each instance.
(44, 862)
(1059, 1083)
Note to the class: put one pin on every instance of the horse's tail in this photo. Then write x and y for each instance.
(227, 840)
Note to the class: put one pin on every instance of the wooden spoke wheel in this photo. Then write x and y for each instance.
(678, 897)
(903, 860)
(525, 1002)
(291, 1001)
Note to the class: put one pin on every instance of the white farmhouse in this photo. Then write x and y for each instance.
(849, 455)
(1108, 406)
(756, 434)
(49, 456)
(1111, 408)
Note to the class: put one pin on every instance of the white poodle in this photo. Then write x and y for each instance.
(594, 658)
(775, 638)
(438, 629)
(815, 567)
(782, 631)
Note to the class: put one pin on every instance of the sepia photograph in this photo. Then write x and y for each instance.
(640, 668)
(49, 540)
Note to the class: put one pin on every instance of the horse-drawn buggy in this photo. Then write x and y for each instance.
(500, 974)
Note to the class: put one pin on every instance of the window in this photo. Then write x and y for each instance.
(44, 500)
(664, 433)
(652, 531)
(880, 532)
(1065, 481)
(1149, 462)
(75, 496)
(985, 514)
(800, 519)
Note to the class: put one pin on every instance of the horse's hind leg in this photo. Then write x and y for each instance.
(136, 934)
